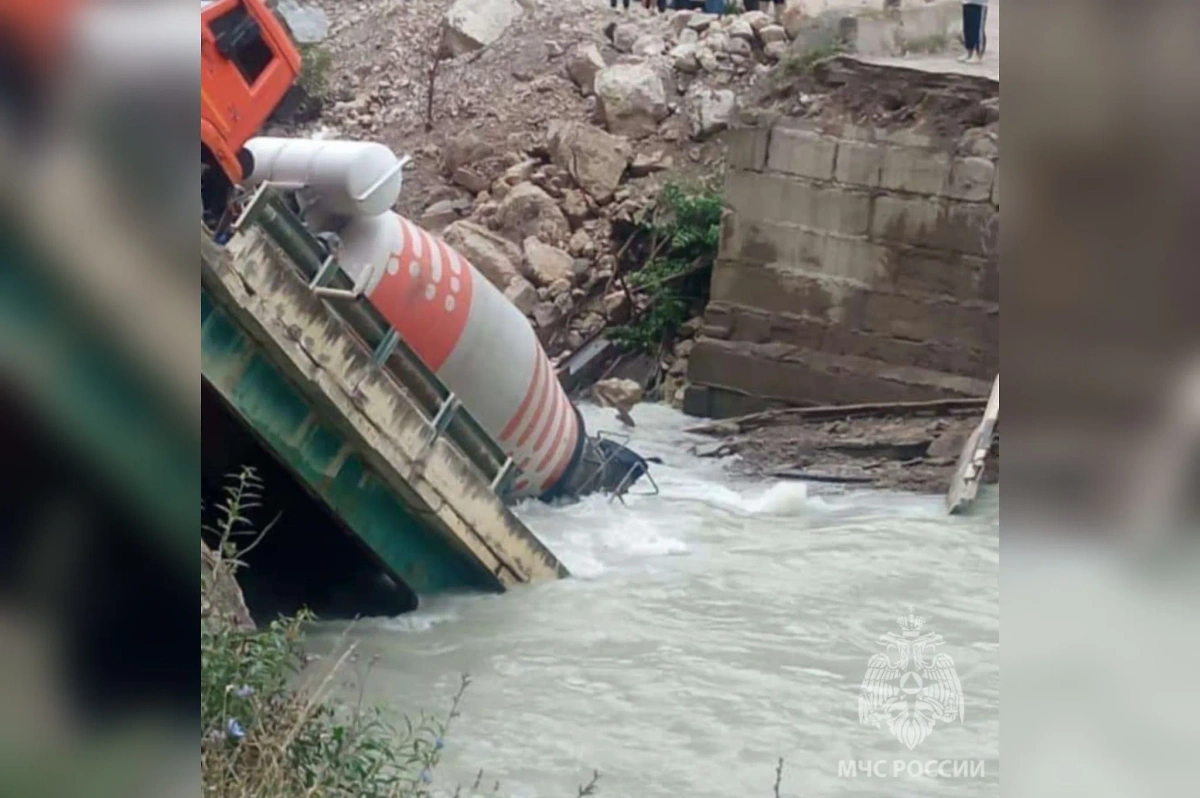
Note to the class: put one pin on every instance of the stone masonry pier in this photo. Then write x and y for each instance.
(856, 265)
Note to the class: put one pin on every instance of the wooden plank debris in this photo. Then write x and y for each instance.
(971, 463)
(766, 418)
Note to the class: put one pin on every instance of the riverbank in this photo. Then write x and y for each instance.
(912, 446)
(274, 722)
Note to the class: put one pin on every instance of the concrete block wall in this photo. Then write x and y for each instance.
(855, 265)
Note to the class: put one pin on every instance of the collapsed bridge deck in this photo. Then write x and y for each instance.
(360, 424)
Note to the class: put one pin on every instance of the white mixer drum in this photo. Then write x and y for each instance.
(474, 339)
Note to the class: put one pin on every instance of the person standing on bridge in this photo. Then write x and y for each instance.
(974, 30)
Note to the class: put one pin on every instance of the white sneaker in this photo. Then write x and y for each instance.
(965, 58)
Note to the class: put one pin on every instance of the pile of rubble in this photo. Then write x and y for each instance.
(550, 131)
(541, 229)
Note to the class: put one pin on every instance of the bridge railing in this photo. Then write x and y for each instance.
(442, 409)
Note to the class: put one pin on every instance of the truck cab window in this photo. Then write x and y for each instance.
(240, 40)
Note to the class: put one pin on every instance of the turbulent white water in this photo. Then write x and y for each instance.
(704, 634)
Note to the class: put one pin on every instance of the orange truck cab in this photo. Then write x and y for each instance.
(248, 64)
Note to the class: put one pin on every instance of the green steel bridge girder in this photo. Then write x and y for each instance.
(325, 463)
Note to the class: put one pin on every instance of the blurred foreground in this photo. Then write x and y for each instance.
(99, 378)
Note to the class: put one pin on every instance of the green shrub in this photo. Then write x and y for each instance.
(315, 66)
(268, 726)
(799, 64)
(683, 235)
(262, 737)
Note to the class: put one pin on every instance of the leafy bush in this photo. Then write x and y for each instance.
(261, 737)
(268, 732)
(683, 235)
(315, 65)
(803, 63)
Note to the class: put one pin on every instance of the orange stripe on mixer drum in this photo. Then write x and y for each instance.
(540, 405)
(564, 459)
(514, 423)
(425, 294)
(554, 422)
(560, 429)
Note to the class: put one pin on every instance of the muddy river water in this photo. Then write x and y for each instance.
(708, 632)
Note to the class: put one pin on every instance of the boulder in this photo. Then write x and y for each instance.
(757, 20)
(464, 150)
(708, 60)
(529, 211)
(618, 394)
(701, 22)
(740, 29)
(717, 41)
(471, 25)
(221, 597)
(523, 295)
(684, 57)
(444, 212)
(496, 258)
(772, 33)
(546, 314)
(581, 244)
(774, 51)
(649, 45)
(691, 326)
(710, 111)
(688, 36)
(646, 163)
(624, 36)
(632, 99)
(499, 189)
(680, 21)
(583, 62)
(736, 46)
(559, 288)
(575, 206)
(594, 159)
(588, 324)
(307, 23)
(616, 307)
(546, 265)
(793, 21)
(470, 179)
(518, 172)
(485, 212)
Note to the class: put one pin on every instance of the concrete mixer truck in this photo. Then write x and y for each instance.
(460, 325)
(248, 68)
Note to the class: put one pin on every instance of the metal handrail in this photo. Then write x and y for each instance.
(389, 350)
(386, 176)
